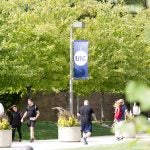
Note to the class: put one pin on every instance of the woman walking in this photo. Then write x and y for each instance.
(15, 121)
(119, 117)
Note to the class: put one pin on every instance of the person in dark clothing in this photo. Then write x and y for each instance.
(32, 113)
(86, 113)
(15, 121)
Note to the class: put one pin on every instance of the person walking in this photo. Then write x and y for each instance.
(136, 109)
(119, 117)
(32, 113)
(1, 110)
(15, 121)
(86, 113)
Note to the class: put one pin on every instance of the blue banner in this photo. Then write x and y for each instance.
(80, 59)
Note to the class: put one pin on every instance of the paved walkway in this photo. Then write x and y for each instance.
(57, 145)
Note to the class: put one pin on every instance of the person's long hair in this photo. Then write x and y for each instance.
(117, 104)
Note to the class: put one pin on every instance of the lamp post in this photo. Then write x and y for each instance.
(72, 26)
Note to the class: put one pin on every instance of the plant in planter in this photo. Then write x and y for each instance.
(4, 124)
(129, 128)
(65, 118)
(5, 133)
(68, 126)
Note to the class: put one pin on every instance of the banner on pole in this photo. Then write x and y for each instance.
(81, 59)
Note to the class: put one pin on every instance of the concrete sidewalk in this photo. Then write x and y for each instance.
(92, 141)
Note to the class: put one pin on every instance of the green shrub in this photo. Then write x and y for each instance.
(65, 118)
(4, 124)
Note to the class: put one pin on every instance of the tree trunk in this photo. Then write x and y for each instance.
(102, 109)
(78, 103)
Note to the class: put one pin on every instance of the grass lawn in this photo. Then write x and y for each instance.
(126, 146)
(48, 130)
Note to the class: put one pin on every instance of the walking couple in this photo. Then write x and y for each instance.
(16, 118)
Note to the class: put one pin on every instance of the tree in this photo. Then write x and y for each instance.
(118, 52)
(33, 48)
(34, 37)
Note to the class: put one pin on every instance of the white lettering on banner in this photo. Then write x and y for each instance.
(80, 58)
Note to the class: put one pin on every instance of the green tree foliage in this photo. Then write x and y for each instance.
(9, 99)
(136, 91)
(118, 52)
(34, 45)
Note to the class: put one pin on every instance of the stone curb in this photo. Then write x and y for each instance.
(18, 148)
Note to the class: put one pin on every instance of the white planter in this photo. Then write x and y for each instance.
(69, 134)
(129, 130)
(5, 138)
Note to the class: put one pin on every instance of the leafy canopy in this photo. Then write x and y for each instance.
(34, 45)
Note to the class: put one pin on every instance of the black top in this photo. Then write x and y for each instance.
(15, 119)
(86, 113)
(31, 111)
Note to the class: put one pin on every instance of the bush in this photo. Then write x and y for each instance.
(4, 124)
(65, 118)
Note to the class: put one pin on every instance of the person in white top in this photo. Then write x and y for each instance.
(1, 110)
(136, 109)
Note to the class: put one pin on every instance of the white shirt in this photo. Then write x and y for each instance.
(136, 110)
(1, 109)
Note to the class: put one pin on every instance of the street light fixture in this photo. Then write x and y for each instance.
(72, 26)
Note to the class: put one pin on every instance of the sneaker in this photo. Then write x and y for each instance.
(85, 141)
(32, 140)
(119, 138)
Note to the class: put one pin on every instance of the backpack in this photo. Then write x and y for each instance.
(118, 113)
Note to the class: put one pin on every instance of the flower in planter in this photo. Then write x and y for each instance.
(130, 118)
(65, 118)
(4, 124)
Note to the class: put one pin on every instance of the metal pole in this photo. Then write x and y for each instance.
(71, 69)
(78, 103)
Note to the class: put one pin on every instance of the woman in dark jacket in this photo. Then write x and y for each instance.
(15, 122)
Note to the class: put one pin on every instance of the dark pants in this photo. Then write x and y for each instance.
(14, 130)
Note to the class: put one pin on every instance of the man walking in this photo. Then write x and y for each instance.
(32, 113)
(86, 113)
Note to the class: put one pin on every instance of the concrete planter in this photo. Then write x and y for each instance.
(129, 130)
(5, 138)
(69, 134)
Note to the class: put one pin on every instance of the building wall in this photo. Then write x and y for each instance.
(46, 102)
